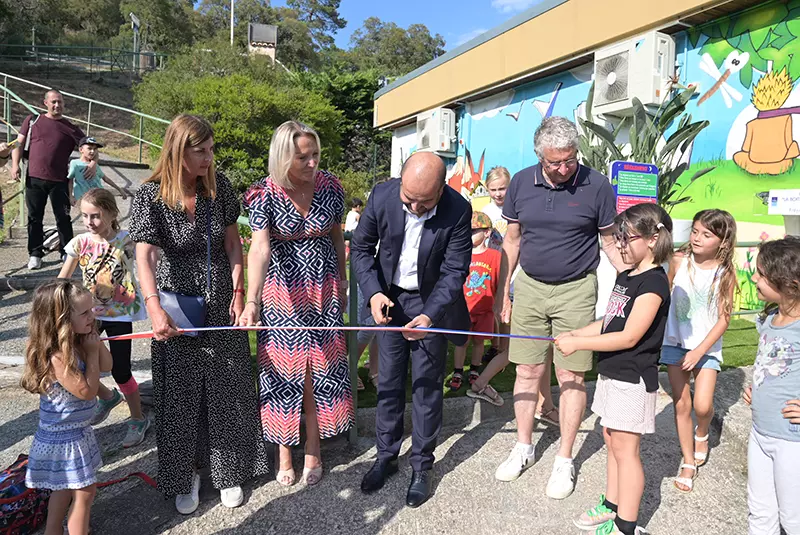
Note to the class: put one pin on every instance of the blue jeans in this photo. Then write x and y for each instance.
(671, 356)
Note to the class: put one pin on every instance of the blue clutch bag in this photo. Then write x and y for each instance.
(187, 311)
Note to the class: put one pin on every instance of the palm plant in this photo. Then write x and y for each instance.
(599, 146)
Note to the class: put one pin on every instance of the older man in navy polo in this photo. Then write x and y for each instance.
(555, 210)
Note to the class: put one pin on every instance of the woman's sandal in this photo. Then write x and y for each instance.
(700, 458)
(312, 476)
(687, 482)
(488, 394)
(547, 417)
(286, 477)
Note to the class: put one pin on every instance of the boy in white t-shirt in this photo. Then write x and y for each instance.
(356, 205)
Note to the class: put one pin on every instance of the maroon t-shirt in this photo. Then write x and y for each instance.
(52, 143)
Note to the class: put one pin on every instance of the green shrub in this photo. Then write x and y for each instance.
(244, 113)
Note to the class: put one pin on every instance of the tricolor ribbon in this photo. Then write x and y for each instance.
(432, 330)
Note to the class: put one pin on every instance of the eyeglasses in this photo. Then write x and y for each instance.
(624, 239)
(555, 166)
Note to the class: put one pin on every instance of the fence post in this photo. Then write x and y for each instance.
(352, 347)
(141, 127)
(6, 108)
(89, 119)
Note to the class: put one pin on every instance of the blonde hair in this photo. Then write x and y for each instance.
(104, 200)
(183, 132)
(772, 90)
(282, 150)
(497, 173)
(50, 332)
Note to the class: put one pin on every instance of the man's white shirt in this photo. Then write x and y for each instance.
(406, 274)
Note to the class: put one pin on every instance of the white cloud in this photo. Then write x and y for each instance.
(464, 37)
(507, 6)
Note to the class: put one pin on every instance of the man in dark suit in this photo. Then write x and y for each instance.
(415, 280)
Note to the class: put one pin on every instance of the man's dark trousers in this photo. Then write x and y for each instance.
(428, 362)
(37, 192)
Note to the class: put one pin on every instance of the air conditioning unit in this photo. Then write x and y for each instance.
(436, 131)
(638, 67)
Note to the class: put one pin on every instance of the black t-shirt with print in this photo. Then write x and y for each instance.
(641, 361)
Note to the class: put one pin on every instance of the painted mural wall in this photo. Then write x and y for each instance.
(746, 68)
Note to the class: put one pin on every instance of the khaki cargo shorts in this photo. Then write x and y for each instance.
(548, 310)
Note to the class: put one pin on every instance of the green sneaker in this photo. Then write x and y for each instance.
(104, 407)
(596, 516)
(608, 528)
(136, 432)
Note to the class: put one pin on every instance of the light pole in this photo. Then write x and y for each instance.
(232, 1)
(135, 24)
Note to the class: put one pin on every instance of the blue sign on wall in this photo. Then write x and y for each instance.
(634, 183)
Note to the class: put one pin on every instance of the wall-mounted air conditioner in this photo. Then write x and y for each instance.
(436, 131)
(637, 67)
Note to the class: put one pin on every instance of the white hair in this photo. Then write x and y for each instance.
(282, 150)
(557, 133)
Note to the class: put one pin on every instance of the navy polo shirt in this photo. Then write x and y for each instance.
(559, 225)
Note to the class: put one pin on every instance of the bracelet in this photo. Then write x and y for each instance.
(238, 291)
(254, 302)
(151, 295)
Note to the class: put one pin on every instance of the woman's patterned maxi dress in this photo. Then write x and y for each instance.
(301, 289)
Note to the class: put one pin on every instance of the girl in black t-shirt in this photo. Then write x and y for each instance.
(628, 340)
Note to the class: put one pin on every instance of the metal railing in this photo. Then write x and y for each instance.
(78, 60)
(138, 118)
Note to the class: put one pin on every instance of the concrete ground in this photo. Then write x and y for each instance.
(467, 498)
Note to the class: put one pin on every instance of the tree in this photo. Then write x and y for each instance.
(165, 24)
(295, 47)
(245, 99)
(367, 149)
(392, 50)
(322, 18)
(97, 19)
(48, 17)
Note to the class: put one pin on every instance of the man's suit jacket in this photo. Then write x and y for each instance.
(445, 252)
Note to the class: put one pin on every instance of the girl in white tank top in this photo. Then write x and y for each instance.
(703, 280)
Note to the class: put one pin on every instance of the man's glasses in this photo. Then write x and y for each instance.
(624, 239)
(555, 166)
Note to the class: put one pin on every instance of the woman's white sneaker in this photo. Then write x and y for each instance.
(231, 497)
(518, 461)
(186, 504)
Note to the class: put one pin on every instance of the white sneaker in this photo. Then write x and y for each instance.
(186, 504)
(232, 497)
(34, 262)
(513, 467)
(562, 481)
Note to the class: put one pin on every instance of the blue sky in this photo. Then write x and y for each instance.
(457, 22)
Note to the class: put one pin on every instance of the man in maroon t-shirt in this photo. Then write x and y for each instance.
(53, 138)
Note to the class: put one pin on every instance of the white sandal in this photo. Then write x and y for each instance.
(700, 457)
(687, 482)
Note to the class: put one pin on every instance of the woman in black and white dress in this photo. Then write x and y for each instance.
(204, 390)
